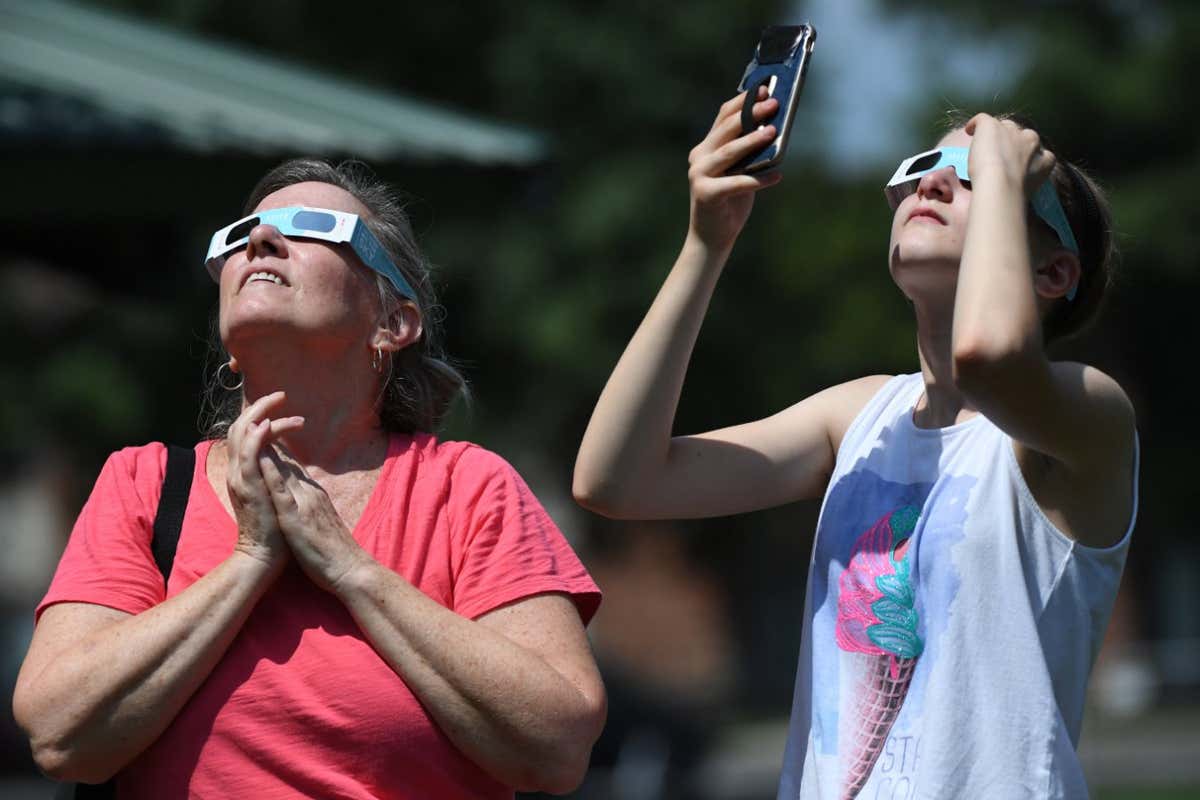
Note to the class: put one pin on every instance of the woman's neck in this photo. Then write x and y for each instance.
(336, 393)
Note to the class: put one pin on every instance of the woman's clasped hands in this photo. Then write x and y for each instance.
(280, 509)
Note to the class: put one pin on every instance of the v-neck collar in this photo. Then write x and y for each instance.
(370, 510)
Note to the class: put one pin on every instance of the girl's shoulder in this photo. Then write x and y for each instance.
(1090, 488)
(1097, 386)
(850, 401)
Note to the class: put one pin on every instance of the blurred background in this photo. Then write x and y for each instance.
(543, 147)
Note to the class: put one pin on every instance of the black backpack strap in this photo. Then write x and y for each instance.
(106, 791)
(177, 485)
(87, 791)
(168, 521)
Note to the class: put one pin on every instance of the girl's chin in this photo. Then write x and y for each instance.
(920, 261)
(925, 278)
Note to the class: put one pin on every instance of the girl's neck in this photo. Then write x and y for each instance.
(942, 404)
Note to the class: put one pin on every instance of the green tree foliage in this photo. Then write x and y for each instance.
(544, 289)
(547, 274)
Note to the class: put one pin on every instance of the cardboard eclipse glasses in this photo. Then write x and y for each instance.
(310, 223)
(1045, 202)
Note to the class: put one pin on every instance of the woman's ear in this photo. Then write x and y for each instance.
(1057, 275)
(401, 328)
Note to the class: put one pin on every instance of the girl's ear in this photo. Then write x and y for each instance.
(1057, 275)
(399, 329)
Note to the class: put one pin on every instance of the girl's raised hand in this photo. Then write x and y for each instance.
(721, 203)
(1002, 149)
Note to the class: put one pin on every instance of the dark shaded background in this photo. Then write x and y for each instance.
(545, 272)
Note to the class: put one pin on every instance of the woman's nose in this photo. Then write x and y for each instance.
(265, 240)
(940, 184)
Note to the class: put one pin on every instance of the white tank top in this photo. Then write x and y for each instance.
(949, 626)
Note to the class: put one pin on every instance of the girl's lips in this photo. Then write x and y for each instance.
(927, 213)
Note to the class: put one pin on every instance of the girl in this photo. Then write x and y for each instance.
(976, 514)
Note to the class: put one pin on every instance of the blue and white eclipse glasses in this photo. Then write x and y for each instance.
(309, 223)
(1045, 200)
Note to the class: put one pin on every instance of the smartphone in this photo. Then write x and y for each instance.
(780, 62)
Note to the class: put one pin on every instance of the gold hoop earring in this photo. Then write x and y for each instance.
(223, 384)
(377, 360)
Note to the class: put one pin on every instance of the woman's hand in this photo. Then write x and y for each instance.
(250, 435)
(1003, 150)
(314, 531)
(721, 203)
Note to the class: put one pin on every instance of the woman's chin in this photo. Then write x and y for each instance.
(256, 328)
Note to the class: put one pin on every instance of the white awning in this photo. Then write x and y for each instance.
(207, 95)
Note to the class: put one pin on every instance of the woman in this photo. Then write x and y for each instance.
(976, 514)
(356, 609)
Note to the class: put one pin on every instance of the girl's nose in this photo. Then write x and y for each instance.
(939, 184)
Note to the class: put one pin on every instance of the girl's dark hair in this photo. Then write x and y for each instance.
(1090, 216)
(420, 381)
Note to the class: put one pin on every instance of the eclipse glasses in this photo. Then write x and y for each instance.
(1045, 200)
(309, 223)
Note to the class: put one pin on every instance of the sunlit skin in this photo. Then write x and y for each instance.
(980, 273)
(326, 287)
(305, 454)
(326, 319)
(928, 232)
(925, 249)
(286, 340)
(516, 689)
(979, 290)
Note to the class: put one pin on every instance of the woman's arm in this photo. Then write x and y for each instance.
(516, 690)
(99, 685)
(628, 464)
(1073, 414)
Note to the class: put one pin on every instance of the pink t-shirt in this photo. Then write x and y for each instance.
(301, 705)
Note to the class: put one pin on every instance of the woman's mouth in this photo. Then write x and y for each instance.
(264, 275)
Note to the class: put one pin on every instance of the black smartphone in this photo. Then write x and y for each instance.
(780, 63)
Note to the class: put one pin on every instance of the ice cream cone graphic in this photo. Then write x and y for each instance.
(877, 632)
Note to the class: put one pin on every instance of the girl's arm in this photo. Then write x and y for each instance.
(629, 465)
(1070, 413)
